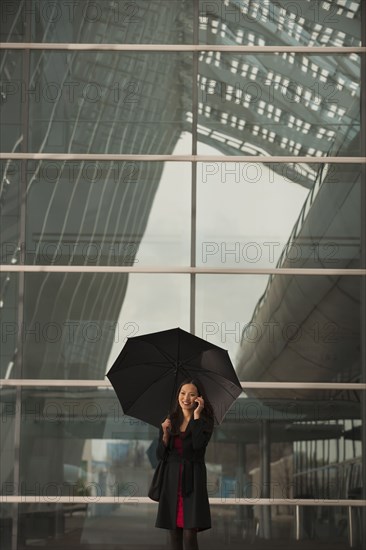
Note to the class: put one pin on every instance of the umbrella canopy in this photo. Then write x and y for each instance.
(150, 368)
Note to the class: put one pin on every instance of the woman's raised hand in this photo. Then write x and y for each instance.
(200, 406)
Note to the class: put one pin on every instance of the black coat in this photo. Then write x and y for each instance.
(196, 507)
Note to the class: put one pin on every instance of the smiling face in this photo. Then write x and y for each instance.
(187, 396)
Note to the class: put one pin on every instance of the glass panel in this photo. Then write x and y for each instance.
(98, 102)
(99, 213)
(315, 452)
(271, 23)
(318, 527)
(252, 215)
(76, 324)
(99, 21)
(10, 325)
(93, 449)
(12, 89)
(279, 104)
(7, 417)
(283, 327)
(10, 174)
(6, 524)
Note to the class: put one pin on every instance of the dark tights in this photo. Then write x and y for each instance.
(189, 536)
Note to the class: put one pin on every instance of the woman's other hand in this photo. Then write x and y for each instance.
(166, 426)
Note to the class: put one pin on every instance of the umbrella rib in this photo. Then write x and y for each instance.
(157, 364)
(163, 353)
(222, 388)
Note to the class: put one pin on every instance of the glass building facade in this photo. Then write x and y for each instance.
(196, 164)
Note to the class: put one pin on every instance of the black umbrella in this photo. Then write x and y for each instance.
(150, 368)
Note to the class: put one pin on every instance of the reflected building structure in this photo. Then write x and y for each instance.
(94, 212)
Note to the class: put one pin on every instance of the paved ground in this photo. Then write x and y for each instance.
(72, 542)
(109, 530)
(157, 540)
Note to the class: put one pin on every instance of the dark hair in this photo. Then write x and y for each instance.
(176, 414)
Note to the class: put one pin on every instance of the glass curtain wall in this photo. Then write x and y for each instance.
(196, 164)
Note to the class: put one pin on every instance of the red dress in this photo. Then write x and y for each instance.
(178, 444)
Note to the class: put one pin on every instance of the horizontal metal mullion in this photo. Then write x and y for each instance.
(218, 501)
(183, 158)
(245, 385)
(53, 383)
(18, 268)
(304, 385)
(181, 48)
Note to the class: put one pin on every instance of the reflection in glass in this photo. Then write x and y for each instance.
(10, 325)
(77, 442)
(99, 213)
(99, 102)
(7, 416)
(284, 328)
(119, 22)
(271, 23)
(280, 104)
(93, 449)
(75, 325)
(6, 524)
(254, 215)
(10, 178)
(284, 104)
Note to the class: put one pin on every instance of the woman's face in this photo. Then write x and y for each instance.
(187, 396)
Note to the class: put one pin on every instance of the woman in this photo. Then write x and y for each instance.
(184, 435)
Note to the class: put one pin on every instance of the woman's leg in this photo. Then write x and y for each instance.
(176, 539)
(190, 539)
